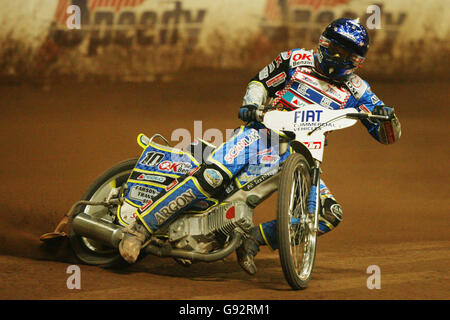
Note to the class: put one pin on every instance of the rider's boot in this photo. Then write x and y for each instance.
(248, 250)
(135, 235)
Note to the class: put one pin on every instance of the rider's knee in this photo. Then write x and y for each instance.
(212, 178)
(331, 213)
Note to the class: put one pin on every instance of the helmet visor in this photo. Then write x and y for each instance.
(334, 52)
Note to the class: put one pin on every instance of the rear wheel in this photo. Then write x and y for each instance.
(90, 251)
(297, 237)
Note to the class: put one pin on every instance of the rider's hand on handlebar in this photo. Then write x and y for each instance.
(384, 111)
(248, 113)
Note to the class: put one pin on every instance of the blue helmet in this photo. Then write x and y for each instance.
(342, 47)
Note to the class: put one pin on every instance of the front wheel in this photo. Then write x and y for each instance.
(90, 251)
(297, 237)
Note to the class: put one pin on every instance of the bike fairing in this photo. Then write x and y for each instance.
(246, 158)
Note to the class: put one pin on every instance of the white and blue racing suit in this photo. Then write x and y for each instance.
(289, 82)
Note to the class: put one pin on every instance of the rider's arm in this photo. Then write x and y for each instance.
(265, 84)
(386, 132)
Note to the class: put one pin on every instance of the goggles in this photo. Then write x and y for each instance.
(334, 52)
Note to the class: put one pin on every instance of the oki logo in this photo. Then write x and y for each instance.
(307, 116)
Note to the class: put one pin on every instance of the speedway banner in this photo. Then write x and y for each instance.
(147, 37)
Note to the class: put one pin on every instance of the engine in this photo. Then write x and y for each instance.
(203, 232)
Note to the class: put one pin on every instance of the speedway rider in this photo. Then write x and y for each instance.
(295, 78)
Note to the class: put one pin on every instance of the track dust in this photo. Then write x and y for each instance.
(56, 141)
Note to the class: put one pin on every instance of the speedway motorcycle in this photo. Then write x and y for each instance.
(212, 229)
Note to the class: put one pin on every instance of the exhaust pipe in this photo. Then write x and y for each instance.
(87, 226)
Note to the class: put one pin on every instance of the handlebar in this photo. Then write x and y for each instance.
(362, 116)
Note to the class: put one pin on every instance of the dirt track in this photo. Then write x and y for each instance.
(55, 141)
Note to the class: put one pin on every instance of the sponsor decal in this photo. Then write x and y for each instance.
(151, 178)
(271, 67)
(241, 145)
(314, 145)
(213, 177)
(286, 54)
(316, 96)
(152, 158)
(265, 151)
(356, 81)
(269, 159)
(389, 132)
(260, 179)
(326, 102)
(174, 206)
(264, 73)
(193, 171)
(364, 108)
(356, 86)
(302, 90)
(336, 209)
(330, 90)
(202, 204)
(278, 60)
(146, 178)
(294, 99)
(307, 116)
(245, 177)
(307, 78)
(145, 207)
(259, 169)
(302, 58)
(230, 188)
(278, 79)
(142, 193)
(374, 99)
(173, 184)
(175, 167)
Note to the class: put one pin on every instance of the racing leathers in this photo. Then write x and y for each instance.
(291, 81)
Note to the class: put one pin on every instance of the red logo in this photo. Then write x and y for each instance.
(302, 56)
(177, 167)
(313, 145)
(356, 81)
(173, 184)
(276, 80)
(278, 60)
(230, 214)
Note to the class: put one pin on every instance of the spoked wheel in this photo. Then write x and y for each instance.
(296, 227)
(90, 251)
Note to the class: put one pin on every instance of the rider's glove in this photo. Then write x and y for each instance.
(248, 113)
(384, 111)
